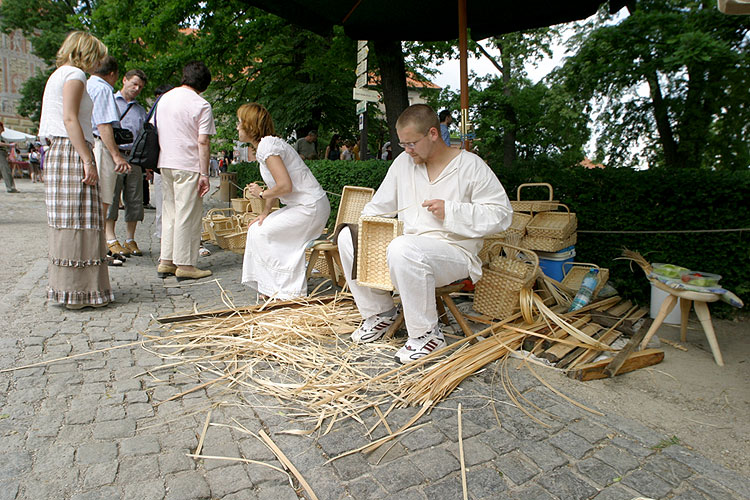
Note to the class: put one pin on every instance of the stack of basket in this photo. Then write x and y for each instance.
(551, 231)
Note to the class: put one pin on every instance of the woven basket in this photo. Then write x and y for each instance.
(240, 205)
(217, 219)
(558, 225)
(256, 204)
(575, 273)
(542, 244)
(533, 205)
(518, 224)
(374, 235)
(511, 269)
(321, 264)
(234, 240)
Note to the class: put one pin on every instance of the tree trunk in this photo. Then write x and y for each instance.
(671, 156)
(393, 82)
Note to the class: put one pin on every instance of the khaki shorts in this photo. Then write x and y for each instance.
(105, 167)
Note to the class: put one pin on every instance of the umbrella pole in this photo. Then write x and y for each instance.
(463, 56)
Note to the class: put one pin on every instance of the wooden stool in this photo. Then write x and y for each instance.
(687, 299)
(443, 299)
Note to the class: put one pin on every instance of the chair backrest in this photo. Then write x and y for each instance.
(353, 201)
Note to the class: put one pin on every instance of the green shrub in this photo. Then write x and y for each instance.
(615, 200)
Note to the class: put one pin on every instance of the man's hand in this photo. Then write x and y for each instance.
(203, 186)
(90, 174)
(436, 208)
(121, 164)
(149, 174)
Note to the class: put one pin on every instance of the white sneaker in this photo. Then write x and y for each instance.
(374, 327)
(418, 347)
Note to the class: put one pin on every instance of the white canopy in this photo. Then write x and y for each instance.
(11, 135)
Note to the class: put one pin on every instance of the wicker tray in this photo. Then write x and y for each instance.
(558, 225)
(533, 205)
(542, 244)
(511, 269)
(353, 200)
(575, 273)
(518, 225)
(374, 235)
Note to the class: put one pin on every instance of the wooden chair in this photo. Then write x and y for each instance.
(353, 201)
(687, 299)
(443, 299)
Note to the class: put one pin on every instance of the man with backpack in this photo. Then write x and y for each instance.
(132, 117)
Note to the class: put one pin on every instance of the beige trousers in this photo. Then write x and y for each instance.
(181, 216)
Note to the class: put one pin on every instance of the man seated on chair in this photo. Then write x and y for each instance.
(449, 200)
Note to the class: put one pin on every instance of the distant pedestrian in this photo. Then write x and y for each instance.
(307, 147)
(78, 275)
(333, 150)
(445, 120)
(5, 170)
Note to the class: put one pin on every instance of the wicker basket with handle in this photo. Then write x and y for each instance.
(520, 205)
(217, 219)
(374, 235)
(256, 204)
(543, 244)
(511, 269)
(576, 271)
(240, 205)
(558, 225)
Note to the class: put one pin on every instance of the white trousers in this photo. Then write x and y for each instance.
(105, 167)
(181, 217)
(417, 265)
(157, 204)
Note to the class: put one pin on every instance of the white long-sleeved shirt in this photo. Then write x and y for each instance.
(475, 202)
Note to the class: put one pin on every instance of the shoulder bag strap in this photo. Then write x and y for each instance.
(126, 110)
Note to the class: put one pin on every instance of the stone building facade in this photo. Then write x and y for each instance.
(17, 64)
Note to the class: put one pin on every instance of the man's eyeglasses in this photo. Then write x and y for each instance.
(411, 145)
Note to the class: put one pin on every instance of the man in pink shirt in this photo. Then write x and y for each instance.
(187, 124)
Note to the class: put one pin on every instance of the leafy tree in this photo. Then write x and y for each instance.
(671, 79)
(547, 123)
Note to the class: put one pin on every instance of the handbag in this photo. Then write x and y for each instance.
(123, 135)
(145, 151)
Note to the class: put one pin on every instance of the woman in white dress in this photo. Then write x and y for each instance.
(274, 261)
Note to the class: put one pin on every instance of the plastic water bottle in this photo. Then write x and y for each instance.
(586, 291)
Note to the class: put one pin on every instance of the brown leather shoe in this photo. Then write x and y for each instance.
(164, 270)
(192, 275)
(132, 247)
(118, 249)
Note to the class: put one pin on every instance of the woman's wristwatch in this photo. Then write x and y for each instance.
(260, 195)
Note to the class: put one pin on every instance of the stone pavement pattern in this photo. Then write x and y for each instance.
(91, 427)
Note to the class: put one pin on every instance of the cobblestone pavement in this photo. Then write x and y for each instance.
(90, 427)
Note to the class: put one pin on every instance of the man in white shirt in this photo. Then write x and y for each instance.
(448, 200)
(109, 160)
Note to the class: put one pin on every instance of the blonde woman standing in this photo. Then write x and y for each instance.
(78, 275)
(275, 251)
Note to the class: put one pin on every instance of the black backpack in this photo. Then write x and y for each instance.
(145, 151)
